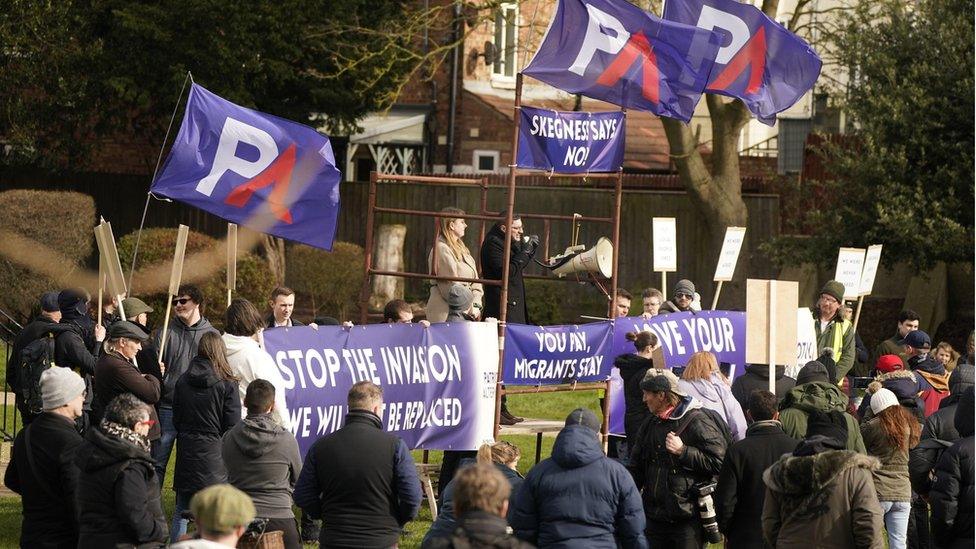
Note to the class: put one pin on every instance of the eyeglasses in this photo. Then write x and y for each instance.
(149, 422)
(181, 301)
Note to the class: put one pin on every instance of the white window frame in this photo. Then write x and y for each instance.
(500, 75)
(481, 153)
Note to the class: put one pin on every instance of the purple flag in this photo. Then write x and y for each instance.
(614, 51)
(760, 62)
(571, 142)
(255, 169)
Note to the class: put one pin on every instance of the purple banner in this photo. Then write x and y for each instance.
(763, 64)
(550, 355)
(613, 51)
(258, 170)
(571, 142)
(438, 382)
(680, 335)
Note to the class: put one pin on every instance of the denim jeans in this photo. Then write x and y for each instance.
(162, 450)
(896, 522)
(179, 523)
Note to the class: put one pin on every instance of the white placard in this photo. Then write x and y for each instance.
(665, 248)
(727, 258)
(849, 264)
(871, 261)
(806, 342)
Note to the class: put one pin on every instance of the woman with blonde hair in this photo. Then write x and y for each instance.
(453, 259)
(945, 354)
(703, 380)
(504, 456)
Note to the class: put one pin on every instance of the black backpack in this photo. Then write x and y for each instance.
(35, 358)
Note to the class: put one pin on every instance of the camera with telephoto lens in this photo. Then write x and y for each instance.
(706, 510)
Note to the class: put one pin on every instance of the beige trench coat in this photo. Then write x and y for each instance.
(448, 265)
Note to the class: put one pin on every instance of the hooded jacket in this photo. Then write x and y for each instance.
(716, 395)
(824, 500)
(118, 493)
(933, 380)
(578, 498)
(667, 480)
(263, 461)
(756, 376)
(740, 490)
(204, 408)
(492, 263)
(904, 384)
(632, 368)
(952, 492)
(249, 362)
(182, 342)
(446, 522)
(817, 396)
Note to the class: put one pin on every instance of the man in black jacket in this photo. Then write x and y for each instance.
(952, 490)
(118, 492)
(680, 446)
(360, 477)
(492, 263)
(740, 491)
(756, 377)
(938, 431)
(80, 345)
(42, 468)
(50, 314)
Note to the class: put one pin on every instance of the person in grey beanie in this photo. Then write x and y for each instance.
(681, 298)
(42, 468)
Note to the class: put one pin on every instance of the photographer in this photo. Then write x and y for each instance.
(676, 455)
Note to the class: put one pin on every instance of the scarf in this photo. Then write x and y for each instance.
(125, 434)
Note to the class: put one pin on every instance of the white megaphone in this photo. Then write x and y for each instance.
(598, 259)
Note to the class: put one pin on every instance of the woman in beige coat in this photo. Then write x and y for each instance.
(453, 259)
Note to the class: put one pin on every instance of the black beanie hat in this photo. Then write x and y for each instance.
(831, 425)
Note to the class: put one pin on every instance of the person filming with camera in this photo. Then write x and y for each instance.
(676, 456)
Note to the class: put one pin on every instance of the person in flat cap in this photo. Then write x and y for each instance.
(681, 298)
(833, 331)
(680, 445)
(578, 493)
(222, 514)
(117, 373)
(42, 468)
(44, 323)
(137, 312)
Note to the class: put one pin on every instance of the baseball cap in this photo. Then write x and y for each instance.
(221, 508)
(917, 339)
(49, 302)
(657, 381)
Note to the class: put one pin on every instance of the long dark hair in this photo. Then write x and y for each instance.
(213, 349)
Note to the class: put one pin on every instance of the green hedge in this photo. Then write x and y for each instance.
(331, 280)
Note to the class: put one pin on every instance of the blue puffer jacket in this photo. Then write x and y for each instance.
(578, 498)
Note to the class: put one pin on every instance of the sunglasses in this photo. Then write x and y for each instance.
(181, 301)
(680, 295)
(149, 422)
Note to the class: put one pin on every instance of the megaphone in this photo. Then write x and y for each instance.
(576, 259)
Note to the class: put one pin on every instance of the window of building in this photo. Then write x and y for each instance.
(485, 161)
(506, 41)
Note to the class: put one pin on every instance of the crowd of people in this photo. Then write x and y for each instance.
(704, 458)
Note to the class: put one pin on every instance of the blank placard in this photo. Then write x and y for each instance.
(779, 297)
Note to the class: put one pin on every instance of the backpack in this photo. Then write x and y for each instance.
(35, 358)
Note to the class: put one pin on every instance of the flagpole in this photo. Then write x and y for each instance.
(149, 195)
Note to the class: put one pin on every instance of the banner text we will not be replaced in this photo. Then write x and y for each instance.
(438, 382)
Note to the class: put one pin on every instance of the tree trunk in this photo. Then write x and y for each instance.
(388, 257)
(274, 251)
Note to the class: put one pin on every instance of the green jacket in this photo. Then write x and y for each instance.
(891, 480)
(817, 396)
(843, 352)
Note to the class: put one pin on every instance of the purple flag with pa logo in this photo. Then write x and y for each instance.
(614, 51)
(255, 169)
(760, 62)
(571, 142)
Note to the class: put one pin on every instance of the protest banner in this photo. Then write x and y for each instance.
(850, 261)
(727, 258)
(680, 336)
(438, 382)
(264, 172)
(868, 274)
(552, 355)
(664, 252)
(760, 62)
(616, 52)
(571, 142)
(770, 323)
(806, 342)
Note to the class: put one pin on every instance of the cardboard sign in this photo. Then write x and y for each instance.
(177, 273)
(771, 321)
(109, 259)
(849, 264)
(806, 342)
(727, 258)
(665, 244)
(871, 261)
